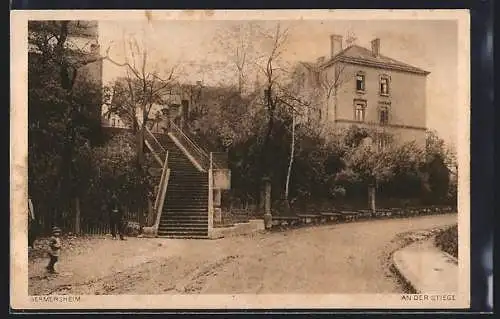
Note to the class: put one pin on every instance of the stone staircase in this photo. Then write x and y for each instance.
(185, 210)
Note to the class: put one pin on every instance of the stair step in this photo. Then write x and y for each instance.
(186, 209)
(186, 214)
(180, 219)
(188, 223)
(174, 211)
(189, 212)
(188, 182)
(186, 189)
(200, 229)
(179, 216)
(184, 222)
(182, 237)
(187, 195)
(185, 226)
(176, 195)
(175, 234)
(184, 174)
(182, 201)
(185, 204)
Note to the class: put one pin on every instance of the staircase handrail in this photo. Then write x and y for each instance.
(162, 183)
(158, 145)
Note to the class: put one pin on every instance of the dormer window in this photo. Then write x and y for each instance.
(384, 85)
(360, 82)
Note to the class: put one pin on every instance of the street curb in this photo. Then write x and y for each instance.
(407, 285)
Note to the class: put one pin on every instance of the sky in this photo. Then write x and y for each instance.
(197, 49)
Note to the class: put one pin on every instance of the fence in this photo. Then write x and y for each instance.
(99, 225)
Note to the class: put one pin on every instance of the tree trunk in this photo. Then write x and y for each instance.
(327, 102)
(292, 153)
(150, 219)
(371, 198)
(267, 138)
(140, 145)
(77, 215)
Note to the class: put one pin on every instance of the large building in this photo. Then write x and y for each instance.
(360, 86)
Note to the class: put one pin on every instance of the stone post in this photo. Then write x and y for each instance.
(266, 183)
(217, 206)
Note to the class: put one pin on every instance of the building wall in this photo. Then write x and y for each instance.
(309, 90)
(400, 134)
(86, 41)
(406, 101)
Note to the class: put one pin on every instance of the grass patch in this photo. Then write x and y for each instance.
(447, 241)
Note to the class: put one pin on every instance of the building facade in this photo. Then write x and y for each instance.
(359, 86)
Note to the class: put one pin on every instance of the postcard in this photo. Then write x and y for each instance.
(240, 159)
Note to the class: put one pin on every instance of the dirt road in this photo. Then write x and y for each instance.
(341, 258)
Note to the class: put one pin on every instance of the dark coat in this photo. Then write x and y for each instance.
(115, 210)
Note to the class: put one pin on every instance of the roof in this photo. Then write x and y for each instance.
(80, 28)
(363, 56)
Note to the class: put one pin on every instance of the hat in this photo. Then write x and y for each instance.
(56, 230)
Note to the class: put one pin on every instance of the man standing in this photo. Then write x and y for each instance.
(116, 218)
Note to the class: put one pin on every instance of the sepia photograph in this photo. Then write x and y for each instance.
(240, 159)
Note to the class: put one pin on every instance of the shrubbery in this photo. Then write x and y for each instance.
(447, 241)
(335, 168)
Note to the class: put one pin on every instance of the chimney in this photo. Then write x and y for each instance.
(335, 44)
(376, 47)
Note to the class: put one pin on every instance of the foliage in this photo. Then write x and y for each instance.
(62, 124)
(447, 240)
(437, 157)
(69, 162)
(115, 170)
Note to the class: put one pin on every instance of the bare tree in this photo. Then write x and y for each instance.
(237, 43)
(273, 70)
(330, 82)
(295, 103)
(145, 87)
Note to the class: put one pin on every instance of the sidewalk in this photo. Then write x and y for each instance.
(426, 268)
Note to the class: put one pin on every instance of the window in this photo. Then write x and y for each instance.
(383, 115)
(360, 82)
(384, 85)
(359, 111)
(113, 122)
(383, 141)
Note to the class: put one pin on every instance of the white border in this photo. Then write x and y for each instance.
(18, 148)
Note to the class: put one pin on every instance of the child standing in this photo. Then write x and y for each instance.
(55, 248)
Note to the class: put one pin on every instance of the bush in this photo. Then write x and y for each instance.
(447, 241)
(132, 229)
